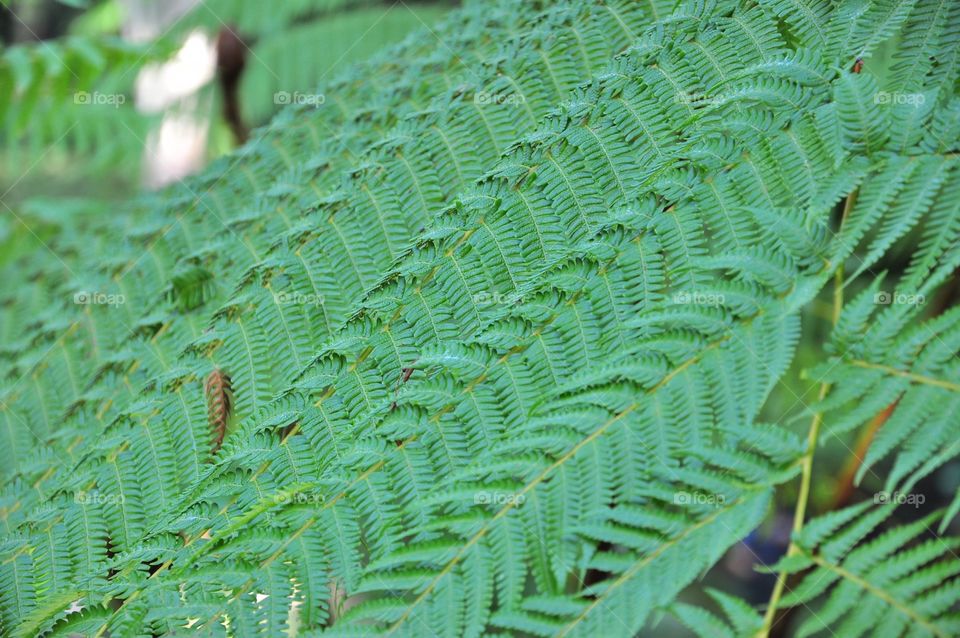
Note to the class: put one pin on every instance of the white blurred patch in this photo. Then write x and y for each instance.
(176, 149)
(160, 86)
(178, 146)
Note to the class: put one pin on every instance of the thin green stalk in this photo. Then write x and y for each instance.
(813, 435)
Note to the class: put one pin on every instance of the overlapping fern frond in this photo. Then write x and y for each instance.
(500, 328)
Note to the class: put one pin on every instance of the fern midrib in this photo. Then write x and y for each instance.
(879, 593)
(912, 376)
(541, 477)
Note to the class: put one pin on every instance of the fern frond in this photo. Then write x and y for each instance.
(501, 331)
(877, 585)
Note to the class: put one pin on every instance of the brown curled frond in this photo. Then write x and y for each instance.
(219, 402)
(405, 374)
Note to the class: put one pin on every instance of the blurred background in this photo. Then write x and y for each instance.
(100, 99)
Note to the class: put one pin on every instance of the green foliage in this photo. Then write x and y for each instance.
(500, 325)
(276, 63)
(72, 94)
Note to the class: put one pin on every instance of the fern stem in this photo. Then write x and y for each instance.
(806, 474)
(540, 478)
(641, 563)
(881, 594)
(919, 378)
(813, 434)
